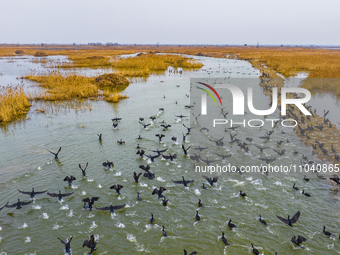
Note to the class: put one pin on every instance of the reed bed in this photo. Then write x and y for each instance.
(13, 103)
(59, 87)
(73, 86)
(146, 64)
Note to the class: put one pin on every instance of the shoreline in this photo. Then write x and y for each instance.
(327, 133)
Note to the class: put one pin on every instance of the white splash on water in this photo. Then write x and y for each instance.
(36, 207)
(56, 226)
(93, 226)
(160, 179)
(131, 238)
(118, 174)
(27, 239)
(23, 226)
(45, 216)
(120, 225)
(71, 214)
(64, 207)
(197, 192)
(83, 193)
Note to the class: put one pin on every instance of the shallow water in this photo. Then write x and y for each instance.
(25, 163)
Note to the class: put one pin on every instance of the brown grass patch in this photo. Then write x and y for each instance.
(13, 104)
(72, 86)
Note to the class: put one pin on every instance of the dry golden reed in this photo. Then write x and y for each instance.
(59, 87)
(13, 103)
(73, 86)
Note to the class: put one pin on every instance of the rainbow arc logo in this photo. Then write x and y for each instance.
(209, 93)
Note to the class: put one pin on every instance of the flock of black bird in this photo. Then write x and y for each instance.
(89, 202)
(243, 145)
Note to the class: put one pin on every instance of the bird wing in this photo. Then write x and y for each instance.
(190, 181)
(95, 198)
(59, 150)
(66, 194)
(67, 178)
(105, 164)
(220, 139)
(113, 187)
(86, 200)
(174, 156)
(161, 189)
(86, 242)
(51, 152)
(13, 205)
(52, 194)
(120, 186)
(283, 219)
(166, 157)
(155, 191)
(25, 192)
(177, 182)
(4, 206)
(40, 192)
(73, 178)
(26, 203)
(206, 177)
(116, 207)
(301, 239)
(62, 241)
(215, 179)
(295, 217)
(103, 209)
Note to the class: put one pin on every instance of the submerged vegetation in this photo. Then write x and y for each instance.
(13, 103)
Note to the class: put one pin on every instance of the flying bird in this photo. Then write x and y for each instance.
(111, 208)
(32, 193)
(18, 204)
(136, 176)
(67, 244)
(59, 195)
(290, 221)
(117, 188)
(55, 154)
(83, 170)
(299, 240)
(184, 182)
(90, 202)
(158, 191)
(211, 180)
(69, 179)
(91, 244)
